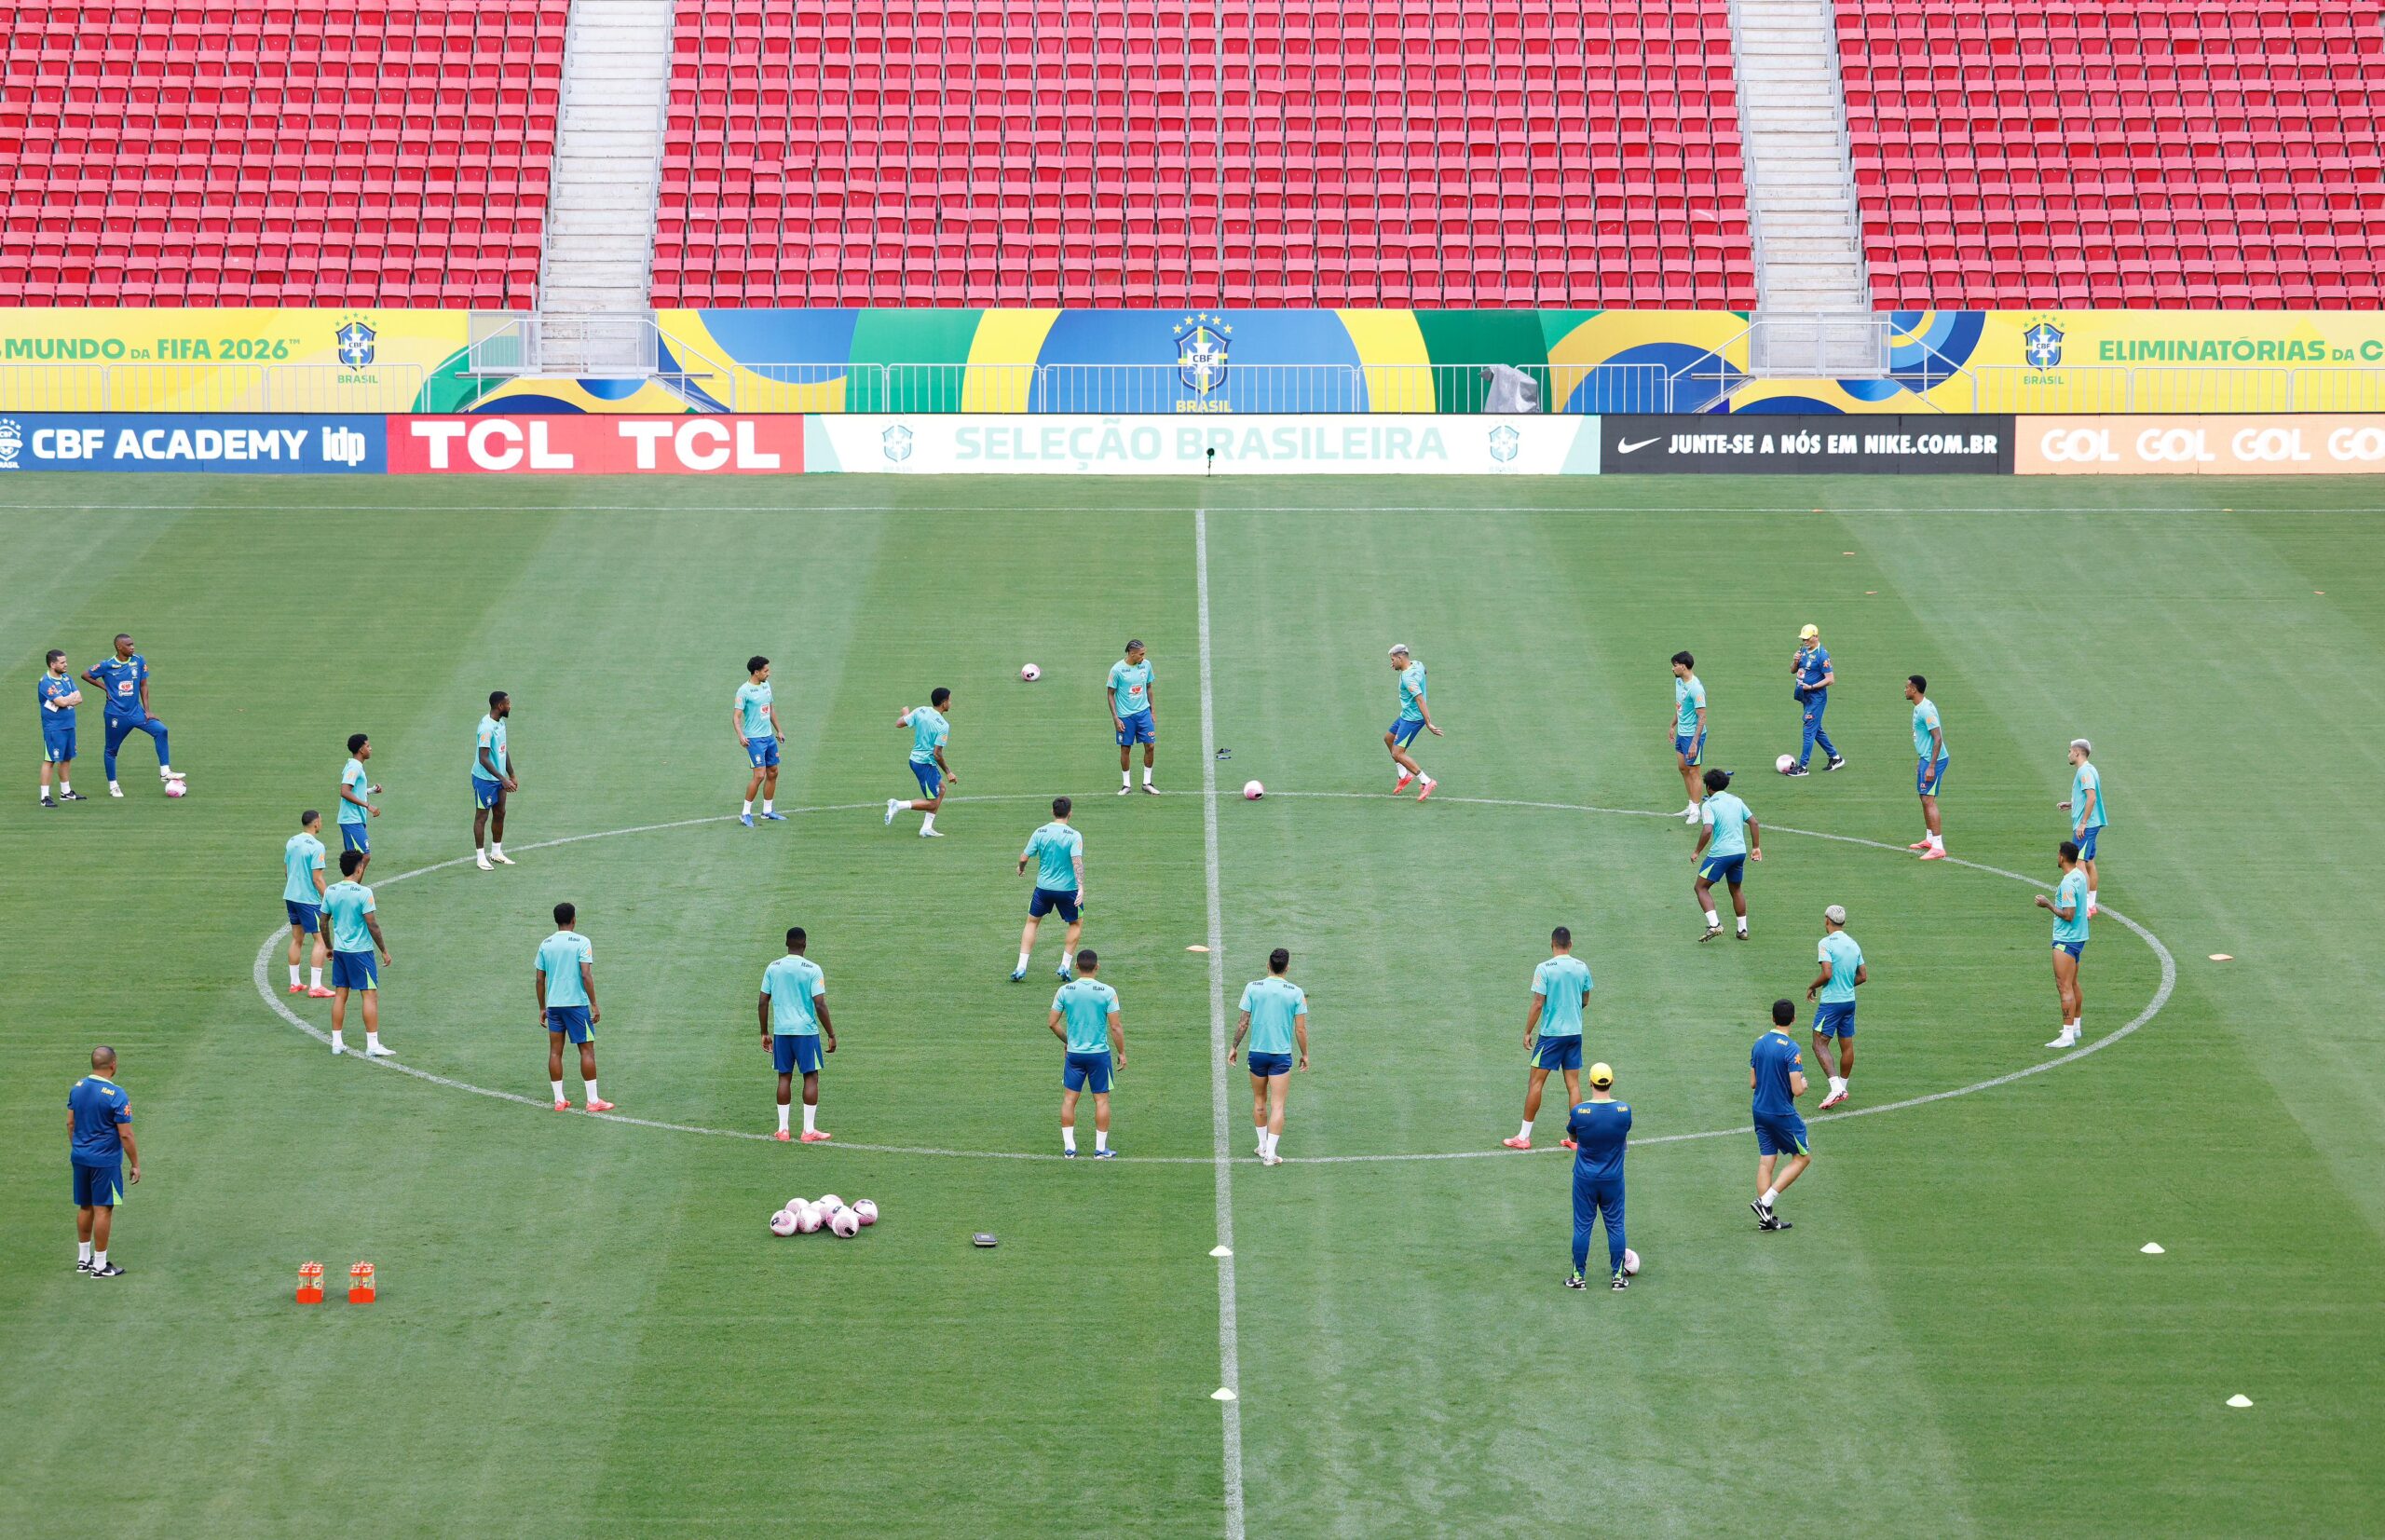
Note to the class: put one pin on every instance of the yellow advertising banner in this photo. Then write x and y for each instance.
(2267, 444)
(228, 360)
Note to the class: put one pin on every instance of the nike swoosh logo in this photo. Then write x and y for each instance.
(1625, 446)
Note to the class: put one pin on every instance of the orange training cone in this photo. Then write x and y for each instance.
(311, 1283)
(360, 1284)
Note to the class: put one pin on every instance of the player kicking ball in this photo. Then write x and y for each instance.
(1842, 973)
(1558, 988)
(755, 722)
(566, 976)
(1777, 1079)
(1275, 1012)
(1130, 715)
(356, 932)
(792, 1007)
(1730, 840)
(1059, 854)
(930, 732)
(1415, 716)
(1084, 1017)
(2070, 912)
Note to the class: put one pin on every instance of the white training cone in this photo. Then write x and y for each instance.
(1222, 1394)
(1196, 949)
(2239, 1400)
(2222, 957)
(2151, 1248)
(1220, 1251)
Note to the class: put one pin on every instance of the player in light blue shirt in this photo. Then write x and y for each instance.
(1059, 854)
(1130, 715)
(1811, 670)
(1084, 1017)
(1275, 1012)
(1929, 771)
(302, 899)
(796, 1030)
(2086, 810)
(123, 682)
(354, 810)
(930, 731)
(1415, 716)
(494, 780)
(1730, 840)
(755, 722)
(2070, 913)
(355, 932)
(1775, 1079)
(1687, 730)
(1842, 972)
(55, 697)
(1553, 1029)
(565, 973)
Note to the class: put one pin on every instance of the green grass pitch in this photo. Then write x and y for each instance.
(585, 1327)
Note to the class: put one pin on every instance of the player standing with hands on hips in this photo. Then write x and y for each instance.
(123, 683)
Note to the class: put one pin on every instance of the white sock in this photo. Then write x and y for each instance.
(1069, 1138)
(592, 1092)
(558, 1085)
(1837, 1084)
(747, 809)
(811, 1118)
(1423, 775)
(1713, 921)
(783, 1111)
(112, 786)
(497, 847)
(928, 823)
(63, 788)
(1125, 778)
(82, 1251)
(1524, 1132)
(1147, 775)
(1743, 924)
(44, 794)
(1271, 1142)
(1022, 963)
(1937, 841)
(337, 1043)
(1101, 1138)
(99, 1258)
(294, 975)
(1770, 1193)
(767, 802)
(314, 978)
(2090, 899)
(372, 1040)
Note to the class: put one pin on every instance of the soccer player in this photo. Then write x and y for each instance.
(354, 834)
(98, 1140)
(55, 697)
(1730, 840)
(2086, 810)
(1777, 1079)
(348, 910)
(493, 781)
(1842, 973)
(1687, 728)
(1929, 773)
(1559, 987)
(930, 732)
(1059, 854)
(1085, 1016)
(1275, 1012)
(1415, 715)
(2069, 906)
(755, 722)
(1597, 1130)
(123, 682)
(1810, 668)
(792, 1007)
(1130, 715)
(302, 897)
(564, 973)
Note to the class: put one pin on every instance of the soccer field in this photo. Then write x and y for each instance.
(584, 1326)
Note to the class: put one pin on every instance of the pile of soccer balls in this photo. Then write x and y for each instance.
(803, 1217)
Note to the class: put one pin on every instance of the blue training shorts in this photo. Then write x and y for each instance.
(2073, 947)
(570, 1021)
(1043, 901)
(2086, 843)
(763, 751)
(795, 1052)
(1557, 1053)
(306, 916)
(57, 743)
(355, 970)
(1268, 1066)
(353, 837)
(1834, 1018)
(487, 793)
(99, 1186)
(1723, 868)
(930, 777)
(1928, 778)
(1691, 747)
(1781, 1136)
(1086, 1073)
(1404, 730)
(1137, 729)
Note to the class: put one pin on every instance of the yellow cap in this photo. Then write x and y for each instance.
(1808, 633)
(1601, 1076)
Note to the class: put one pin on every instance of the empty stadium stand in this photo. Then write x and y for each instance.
(276, 152)
(1166, 151)
(2152, 153)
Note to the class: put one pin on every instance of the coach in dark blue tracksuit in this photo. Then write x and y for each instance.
(1599, 1128)
(1812, 672)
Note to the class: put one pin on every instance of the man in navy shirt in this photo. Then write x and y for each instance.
(56, 697)
(1775, 1074)
(123, 682)
(1813, 676)
(1599, 1128)
(99, 1132)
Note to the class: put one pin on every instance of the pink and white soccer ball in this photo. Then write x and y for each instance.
(807, 1219)
(845, 1224)
(1630, 1263)
(829, 1204)
(177, 788)
(782, 1223)
(1030, 674)
(1252, 791)
(1786, 763)
(865, 1211)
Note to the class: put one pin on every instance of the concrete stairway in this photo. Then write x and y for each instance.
(608, 151)
(1813, 297)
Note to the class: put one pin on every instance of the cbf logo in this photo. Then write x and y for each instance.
(1201, 343)
(2041, 345)
(355, 341)
(12, 442)
(1505, 441)
(896, 441)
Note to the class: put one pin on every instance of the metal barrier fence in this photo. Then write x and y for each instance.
(306, 387)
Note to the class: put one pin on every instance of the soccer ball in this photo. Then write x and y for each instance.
(1252, 791)
(866, 1212)
(177, 788)
(808, 1220)
(830, 1204)
(1630, 1263)
(1030, 674)
(782, 1223)
(845, 1223)
(1786, 763)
